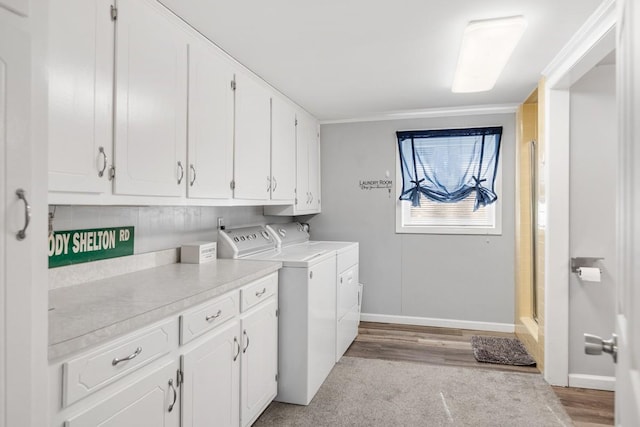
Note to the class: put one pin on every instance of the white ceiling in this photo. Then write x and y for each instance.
(344, 59)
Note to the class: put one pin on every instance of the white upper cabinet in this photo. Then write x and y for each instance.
(314, 167)
(151, 101)
(283, 150)
(80, 95)
(252, 174)
(210, 145)
(307, 158)
(308, 165)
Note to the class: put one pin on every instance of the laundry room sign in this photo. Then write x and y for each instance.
(376, 184)
(77, 246)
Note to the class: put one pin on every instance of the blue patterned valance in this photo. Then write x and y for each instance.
(448, 165)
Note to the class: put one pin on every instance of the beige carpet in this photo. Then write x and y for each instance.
(370, 392)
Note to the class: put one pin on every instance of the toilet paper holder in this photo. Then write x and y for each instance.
(578, 262)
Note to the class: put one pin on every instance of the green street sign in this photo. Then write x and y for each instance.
(77, 246)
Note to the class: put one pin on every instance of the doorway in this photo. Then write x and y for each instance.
(592, 220)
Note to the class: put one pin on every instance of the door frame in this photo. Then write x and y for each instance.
(592, 43)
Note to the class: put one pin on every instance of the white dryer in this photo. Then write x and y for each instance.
(307, 308)
(348, 287)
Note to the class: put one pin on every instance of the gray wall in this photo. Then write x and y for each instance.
(158, 228)
(456, 277)
(593, 214)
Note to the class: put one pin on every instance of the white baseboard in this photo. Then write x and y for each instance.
(596, 382)
(439, 323)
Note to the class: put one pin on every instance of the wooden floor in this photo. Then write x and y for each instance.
(452, 347)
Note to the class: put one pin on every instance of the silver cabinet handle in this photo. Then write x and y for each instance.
(275, 183)
(269, 185)
(104, 161)
(260, 293)
(132, 356)
(22, 234)
(311, 275)
(244, 350)
(175, 395)
(193, 169)
(341, 279)
(311, 196)
(181, 172)
(235, 341)
(213, 316)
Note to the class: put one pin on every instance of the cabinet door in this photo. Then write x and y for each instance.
(210, 123)
(259, 360)
(151, 101)
(314, 168)
(81, 37)
(210, 391)
(147, 402)
(252, 139)
(302, 164)
(283, 150)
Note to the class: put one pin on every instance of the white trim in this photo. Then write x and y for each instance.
(594, 40)
(595, 382)
(599, 24)
(438, 323)
(471, 110)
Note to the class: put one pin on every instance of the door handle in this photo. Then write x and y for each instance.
(181, 172)
(104, 161)
(594, 345)
(175, 395)
(193, 179)
(22, 234)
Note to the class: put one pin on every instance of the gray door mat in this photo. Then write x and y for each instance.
(503, 351)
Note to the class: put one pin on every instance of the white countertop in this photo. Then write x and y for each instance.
(92, 313)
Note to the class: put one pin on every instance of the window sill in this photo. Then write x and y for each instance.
(421, 229)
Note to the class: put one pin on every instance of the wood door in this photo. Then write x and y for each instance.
(628, 292)
(150, 401)
(259, 360)
(210, 122)
(81, 38)
(252, 172)
(283, 150)
(210, 392)
(151, 101)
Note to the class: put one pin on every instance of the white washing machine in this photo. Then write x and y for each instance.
(307, 308)
(348, 287)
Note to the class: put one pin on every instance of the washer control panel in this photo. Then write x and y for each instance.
(235, 243)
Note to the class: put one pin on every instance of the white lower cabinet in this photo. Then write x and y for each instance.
(149, 401)
(211, 379)
(259, 360)
(221, 371)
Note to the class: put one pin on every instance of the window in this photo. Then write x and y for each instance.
(450, 181)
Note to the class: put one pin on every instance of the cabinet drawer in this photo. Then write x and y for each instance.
(347, 258)
(91, 371)
(258, 291)
(207, 316)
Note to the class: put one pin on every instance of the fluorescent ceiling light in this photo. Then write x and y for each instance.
(486, 48)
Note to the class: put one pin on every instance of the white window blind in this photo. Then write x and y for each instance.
(460, 214)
